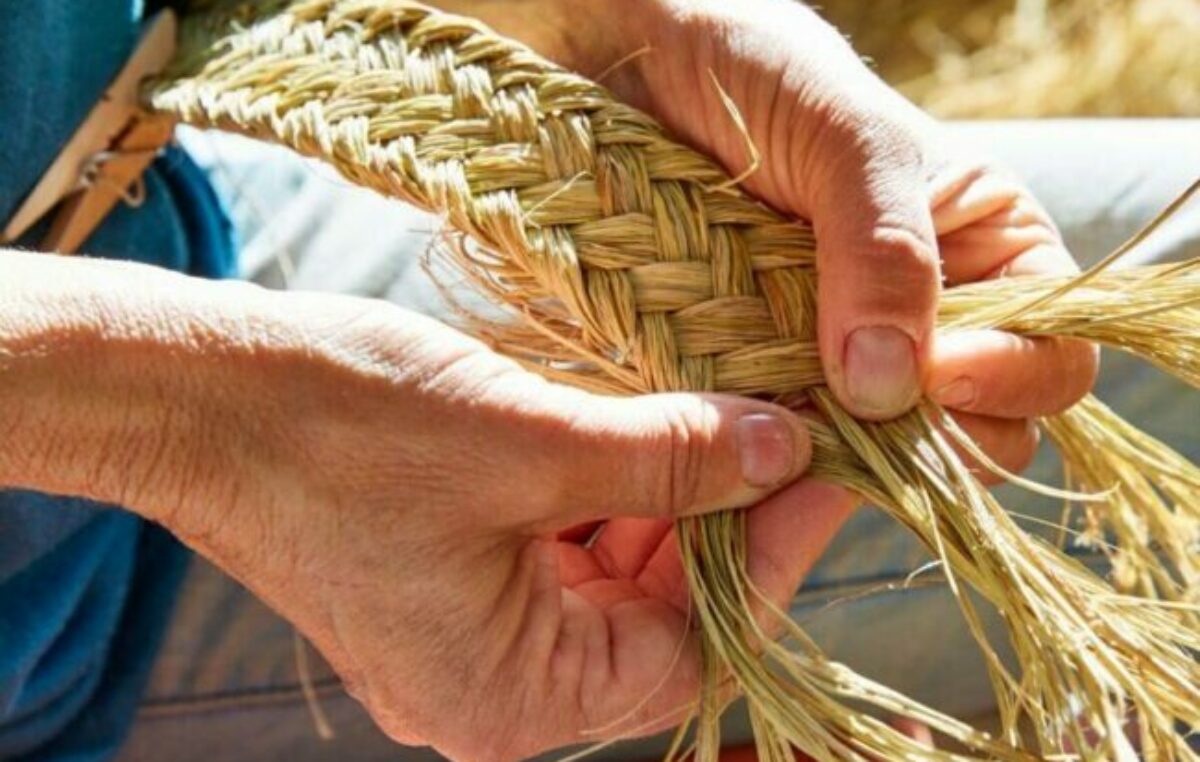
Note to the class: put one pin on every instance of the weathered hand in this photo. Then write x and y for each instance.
(411, 530)
(397, 490)
(898, 209)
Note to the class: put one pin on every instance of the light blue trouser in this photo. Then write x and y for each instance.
(226, 685)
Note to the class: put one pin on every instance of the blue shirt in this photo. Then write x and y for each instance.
(85, 589)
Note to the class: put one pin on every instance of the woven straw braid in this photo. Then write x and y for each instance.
(639, 267)
(650, 250)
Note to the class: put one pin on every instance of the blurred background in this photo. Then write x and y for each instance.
(1032, 58)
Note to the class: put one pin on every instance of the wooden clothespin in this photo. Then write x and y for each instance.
(104, 161)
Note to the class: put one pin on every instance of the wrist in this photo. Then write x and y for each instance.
(113, 384)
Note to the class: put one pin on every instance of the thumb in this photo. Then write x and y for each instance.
(672, 455)
(879, 274)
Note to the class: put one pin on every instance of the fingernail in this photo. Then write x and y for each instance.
(881, 370)
(959, 393)
(767, 449)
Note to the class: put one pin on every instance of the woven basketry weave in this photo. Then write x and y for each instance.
(644, 241)
(638, 266)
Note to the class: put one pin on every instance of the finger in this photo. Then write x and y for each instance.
(1040, 260)
(961, 195)
(639, 660)
(665, 456)
(1008, 443)
(787, 533)
(650, 655)
(914, 729)
(1003, 245)
(618, 661)
(1008, 376)
(879, 278)
(577, 565)
(662, 577)
(605, 593)
(625, 545)
(985, 220)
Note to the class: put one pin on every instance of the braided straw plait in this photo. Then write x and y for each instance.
(649, 249)
(635, 254)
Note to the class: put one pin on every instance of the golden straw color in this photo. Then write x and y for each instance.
(632, 264)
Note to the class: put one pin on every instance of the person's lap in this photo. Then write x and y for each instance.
(227, 683)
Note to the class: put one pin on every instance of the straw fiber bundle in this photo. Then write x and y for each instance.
(633, 265)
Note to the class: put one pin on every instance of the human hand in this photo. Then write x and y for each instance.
(397, 491)
(898, 209)
(408, 517)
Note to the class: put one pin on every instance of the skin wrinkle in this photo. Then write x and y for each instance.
(650, 580)
(965, 183)
(782, 114)
(541, 625)
(899, 249)
(566, 652)
(608, 563)
(518, 571)
(688, 448)
(487, 677)
(665, 583)
(675, 646)
(145, 458)
(601, 649)
(108, 451)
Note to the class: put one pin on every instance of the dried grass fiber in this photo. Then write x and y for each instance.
(630, 266)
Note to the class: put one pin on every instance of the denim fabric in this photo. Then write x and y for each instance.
(85, 590)
(226, 685)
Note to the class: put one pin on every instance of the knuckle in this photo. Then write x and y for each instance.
(906, 268)
(905, 251)
(852, 133)
(869, 145)
(689, 430)
(989, 169)
(1027, 213)
(886, 139)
